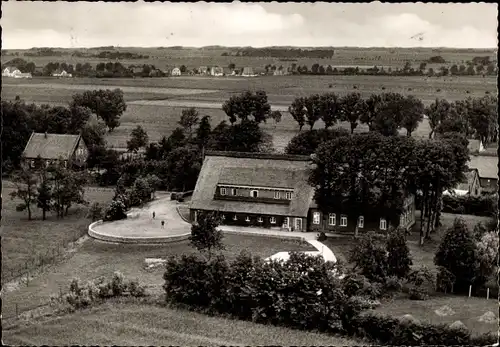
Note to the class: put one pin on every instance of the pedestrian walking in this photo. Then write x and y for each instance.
(154, 214)
(162, 224)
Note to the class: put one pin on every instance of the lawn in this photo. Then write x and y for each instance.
(94, 259)
(147, 325)
(467, 310)
(25, 241)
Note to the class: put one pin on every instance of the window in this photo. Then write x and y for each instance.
(223, 191)
(272, 220)
(361, 222)
(32, 163)
(316, 217)
(285, 222)
(260, 220)
(332, 219)
(288, 195)
(247, 219)
(383, 224)
(223, 217)
(235, 217)
(233, 191)
(343, 221)
(254, 193)
(277, 195)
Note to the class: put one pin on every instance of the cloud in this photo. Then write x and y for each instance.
(85, 24)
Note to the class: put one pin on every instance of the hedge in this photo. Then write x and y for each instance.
(301, 293)
(472, 205)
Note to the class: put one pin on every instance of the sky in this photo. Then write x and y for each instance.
(85, 24)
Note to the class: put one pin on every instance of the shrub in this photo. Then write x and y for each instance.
(321, 236)
(205, 235)
(457, 253)
(398, 257)
(393, 284)
(444, 280)
(115, 211)
(369, 255)
(475, 205)
(421, 283)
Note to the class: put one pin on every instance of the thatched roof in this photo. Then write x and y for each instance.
(51, 146)
(486, 166)
(250, 169)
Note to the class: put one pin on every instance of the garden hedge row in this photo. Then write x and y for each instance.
(479, 206)
(302, 293)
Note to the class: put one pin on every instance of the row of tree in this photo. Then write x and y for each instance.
(360, 175)
(386, 113)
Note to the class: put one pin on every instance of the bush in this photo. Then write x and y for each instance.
(115, 211)
(444, 280)
(421, 283)
(393, 284)
(369, 255)
(398, 258)
(321, 236)
(474, 205)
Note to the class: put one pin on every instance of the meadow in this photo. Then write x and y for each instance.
(157, 103)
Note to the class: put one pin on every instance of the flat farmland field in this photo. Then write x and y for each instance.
(157, 103)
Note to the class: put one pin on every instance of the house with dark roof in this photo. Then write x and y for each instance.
(70, 149)
(271, 191)
(475, 146)
(487, 167)
(469, 186)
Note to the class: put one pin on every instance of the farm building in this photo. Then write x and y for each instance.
(203, 70)
(176, 71)
(15, 73)
(62, 73)
(272, 191)
(247, 71)
(487, 167)
(469, 186)
(70, 149)
(216, 71)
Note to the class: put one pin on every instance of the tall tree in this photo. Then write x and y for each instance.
(328, 109)
(306, 142)
(298, 111)
(437, 112)
(390, 114)
(483, 115)
(25, 182)
(183, 167)
(312, 106)
(205, 236)
(108, 105)
(189, 119)
(372, 105)
(138, 139)
(44, 196)
(203, 132)
(352, 106)
(413, 113)
(16, 131)
(247, 105)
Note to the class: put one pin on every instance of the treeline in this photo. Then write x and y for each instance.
(282, 53)
(469, 69)
(44, 52)
(110, 55)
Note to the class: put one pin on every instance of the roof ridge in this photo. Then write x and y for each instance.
(257, 155)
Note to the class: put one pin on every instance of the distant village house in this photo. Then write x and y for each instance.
(176, 71)
(62, 73)
(15, 73)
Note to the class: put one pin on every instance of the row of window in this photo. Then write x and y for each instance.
(272, 220)
(47, 162)
(255, 193)
(332, 220)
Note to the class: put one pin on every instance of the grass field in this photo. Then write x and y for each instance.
(148, 325)
(208, 94)
(467, 310)
(23, 240)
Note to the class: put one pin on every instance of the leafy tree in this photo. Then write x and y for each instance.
(189, 119)
(16, 131)
(44, 194)
(390, 114)
(93, 135)
(306, 143)
(298, 111)
(175, 140)
(483, 115)
(328, 109)
(247, 105)
(398, 258)
(25, 182)
(352, 106)
(276, 115)
(183, 68)
(312, 109)
(457, 253)
(138, 138)
(487, 254)
(205, 236)
(437, 112)
(108, 105)
(183, 167)
(68, 187)
(413, 114)
(369, 256)
(218, 138)
(231, 66)
(372, 105)
(203, 132)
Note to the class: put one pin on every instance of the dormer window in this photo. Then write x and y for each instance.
(233, 191)
(223, 191)
(277, 195)
(288, 195)
(254, 193)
